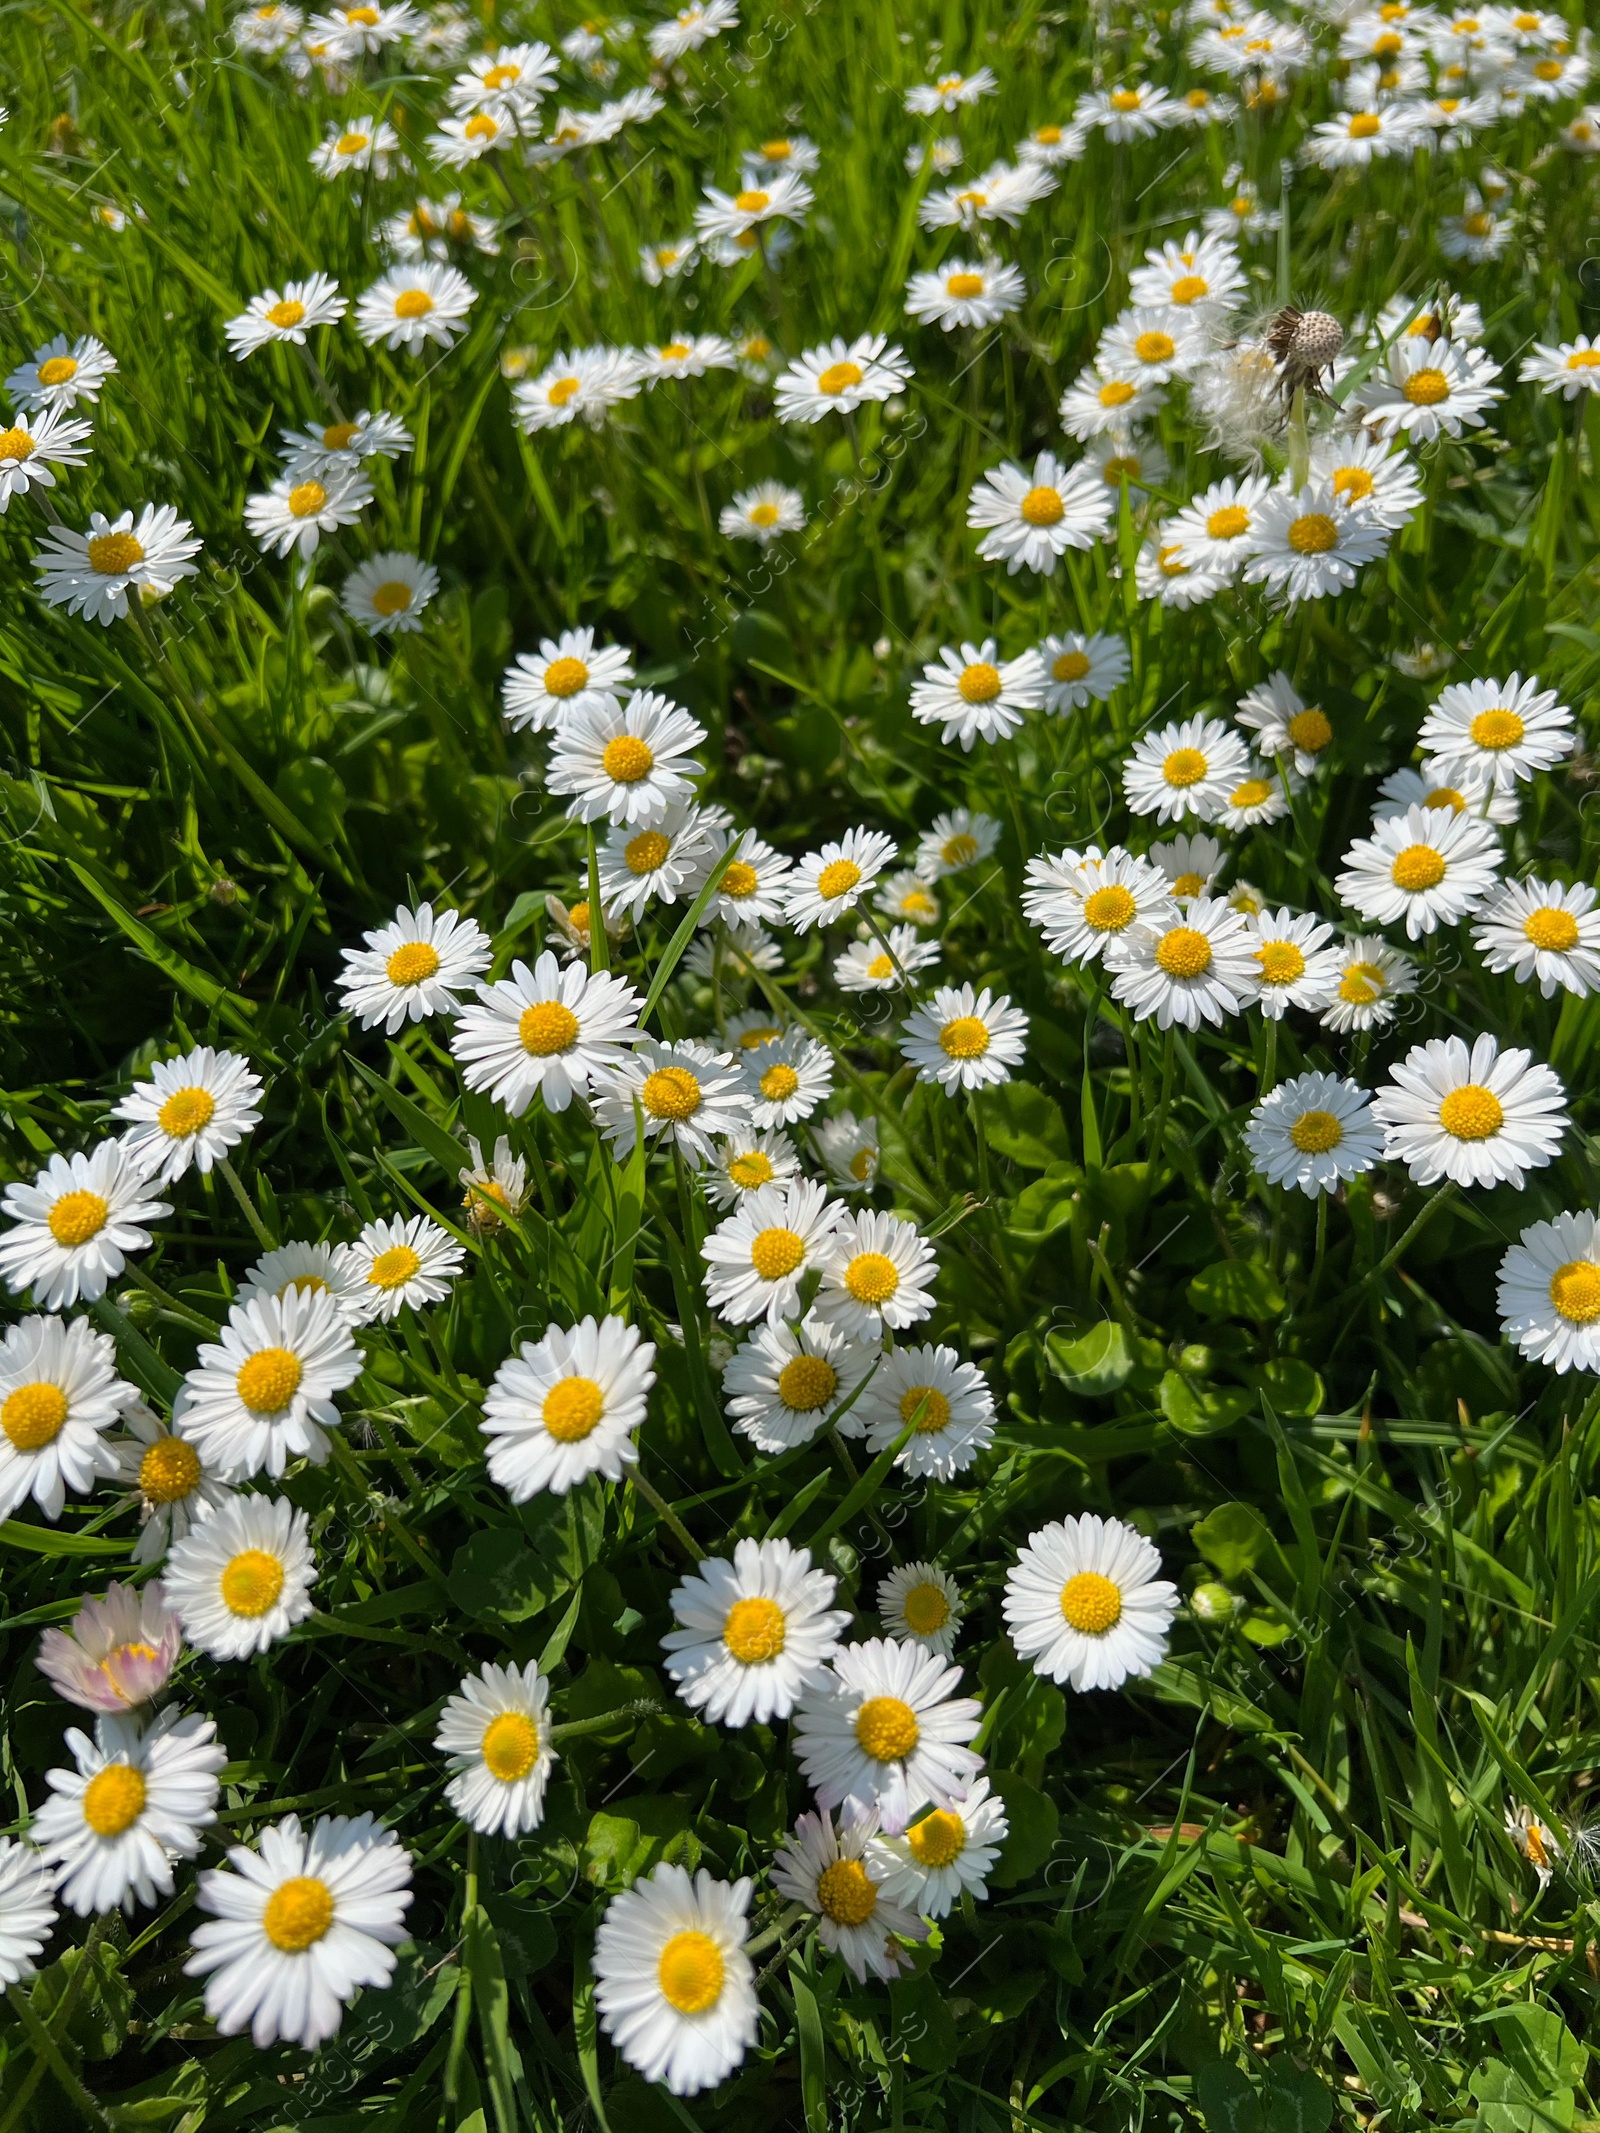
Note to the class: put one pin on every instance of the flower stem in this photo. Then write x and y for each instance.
(251, 1213)
(668, 1517)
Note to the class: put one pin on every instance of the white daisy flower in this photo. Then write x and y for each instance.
(745, 1160)
(1081, 669)
(839, 1875)
(1201, 277)
(91, 574)
(1477, 234)
(61, 373)
(266, 30)
(1258, 797)
(59, 1394)
(393, 1264)
(839, 376)
(263, 1394)
(945, 1402)
(568, 676)
(747, 1032)
(1218, 529)
(949, 93)
(1102, 400)
(945, 1855)
(958, 839)
(675, 1989)
(118, 1651)
(1581, 135)
(1444, 315)
(1163, 572)
(906, 895)
(733, 955)
(497, 1736)
(973, 693)
(964, 1040)
(387, 593)
(1310, 544)
(1427, 389)
(1356, 138)
(626, 762)
(298, 1926)
(848, 1147)
(686, 356)
(1126, 114)
(30, 448)
(580, 381)
(921, 1604)
(763, 513)
(1198, 970)
(137, 1802)
(1568, 368)
(1549, 1293)
(887, 1732)
(754, 1634)
(1052, 145)
(419, 964)
(1284, 723)
(1480, 732)
(776, 195)
(1189, 865)
(1003, 193)
(1151, 347)
(786, 1078)
(757, 1259)
(827, 884)
(1428, 866)
(1315, 1132)
(519, 75)
(1297, 965)
(868, 965)
(467, 136)
(365, 29)
(1373, 979)
(308, 1268)
(1483, 1117)
(1083, 901)
(876, 1276)
(567, 1406)
(683, 1095)
(1035, 517)
(190, 1112)
(492, 1191)
(412, 305)
(433, 227)
(668, 860)
(787, 1383)
(75, 1225)
(1370, 477)
(1429, 787)
(545, 1031)
(1084, 1603)
(171, 1484)
(753, 887)
(241, 1578)
(659, 263)
(363, 144)
(1545, 930)
(965, 292)
(298, 509)
(1186, 768)
(27, 1912)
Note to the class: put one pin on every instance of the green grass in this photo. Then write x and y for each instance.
(1269, 1888)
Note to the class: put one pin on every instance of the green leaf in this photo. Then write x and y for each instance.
(1506, 2104)
(1034, 1818)
(1296, 2103)
(432, 1138)
(1236, 1288)
(1026, 1125)
(1202, 1412)
(813, 2053)
(924, 2028)
(618, 1848)
(1293, 1387)
(1539, 2047)
(51, 1540)
(1232, 1538)
(1227, 2101)
(1098, 1362)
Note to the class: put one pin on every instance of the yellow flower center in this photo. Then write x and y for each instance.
(1552, 928)
(351, 144)
(56, 370)
(1472, 1113)
(671, 1092)
(644, 853)
(1313, 534)
(881, 969)
(1254, 792)
(510, 1746)
(845, 1893)
(627, 759)
(76, 1217)
(502, 76)
(562, 391)
(1361, 984)
(776, 1252)
(756, 349)
(1481, 225)
(1155, 347)
(251, 1582)
(547, 1027)
(1364, 125)
(753, 1039)
(887, 1729)
(1352, 483)
(964, 1037)
(1124, 99)
(918, 904)
(1189, 885)
(268, 1381)
(1497, 729)
(113, 553)
(925, 1409)
(754, 1631)
(1169, 561)
(872, 1277)
(755, 203)
(1091, 1604)
(1109, 909)
(15, 444)
(395, 1267)
(1070, 666)
(1043, 507)
(838, 879)
(739, 881)
(411, 963)
(980, 683)
(1584, 359)
(1418, 867)
(862, 1164)
(959, 850)
(1316, 1132)
(392, 597)
(413, 303)
(779, 1083)
(34, 1415)
(1281, 962)
(169, 1471)
(1184, 767)
(186, 1111)
(674, 351)
(1311, 730)
(1047, 136)
(938, 1839)
(1575, 1291)
(690, 1973)
(1188, 289)
(763, 515)
(113, 1799)
(1116, 392)
(807, 1382)
(1184, 952)
(926, 1610)
(285, 314)
(572, 1409)
(750, 1170)
(777, 151)
(1228, 523)
(1426, 388)
(964, 285)
(839, 378)
(298, 1913)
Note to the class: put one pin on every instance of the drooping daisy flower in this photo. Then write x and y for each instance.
(944, 1402)
(746, 1160)
(786, 1383)
(190, 1112)
(1190, 865)
(1314, 1131)
(1285, 724)
(1479, 1117)
(964, 1040)
(568, 676)
(827, 884)
(1428, 866)
(116, 1653)
(30, 449)
(1370, 477)
(136, 1802)
(298, 509)
(1103, 399)
(757, 1259)
(674, 1986)
(839, 1876)
(1569, 368)
(61, 373)
(393, 1264)
(877, 1275)
(1198, 970)
(786, 1078)
(1084, 1602)
(387, 593)
(974, 694)
(546, 1031)
(1083, 901)
(567, 1406)
(580, 381)
(299, 1925)
(965, 292)
(1311, 543)
(763, 513)
(1373, 979)
(27, 1913)
(1081, 669)
(848, 1147)
(1549, 1293)
(419, 964)
(869, 965)
(1545, 930)
(921, 1603)
(683, 1095)
(754, 1634)
(1186, 768)
(170, 1482)
(1297, 965)
(840, 376)
(887, 1731)
(1428, 389)
(75, 1225)
(496, 1733)
(412, 305)
(92, 574)
(263, 1394)
(946, 1854)
(1035, 517)
(59, 1394)
(241, 1579)
(1499, 732)
(626, 762)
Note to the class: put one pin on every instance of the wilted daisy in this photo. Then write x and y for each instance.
(1296, 965)
(496, 1733)
(946, 1854)
(965, 292)
(568, 675)
(92, 574)
(30, 449)
(59, 1394)
(190, 1112)
(298, 1926)
(1186, 768)
(1371, 477)
(419, 964)
(135, 1803)
(61, 373)
(545, 1031)
(392, 1264)
(1085, 1603)
(757, 1259)
(241, 1579)
(887, 1731)
(1549, 1293)
(827, 884)
(839, 1875)
(27, 1912)
(1081, 669)
(412, 305)
(752, 1634)
(626, 762)
(1103, 399)
(848, 1147)
(1373, 979)
(1083, 901)
(1315, 1132)
(682, 1095)
(876, 1276)
(1189, 865)
(1497, 732)
(944, 1402)
(1035, 517)
(1310, 543)
(974, 694)
(674, 1986)
(295, 512)
(1568, 368)
(74, 1226)
(387, 593)
(264, 1393)
(1479, 1117)
(1198, 970)
(746, 1159)
(666, 862)
(1428, 389)
(362, 144)
(1428, 866)
(1149, 347)
(1545, 930)
(582, 381)
(1284, 723)
(871, 965)
(566, 1407)
(1218, 530)
(787, 1382)
(964, 1039)
(920, 1603)
(117, 1652)
(763, 513)
(786, 1078)
(839, 376)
